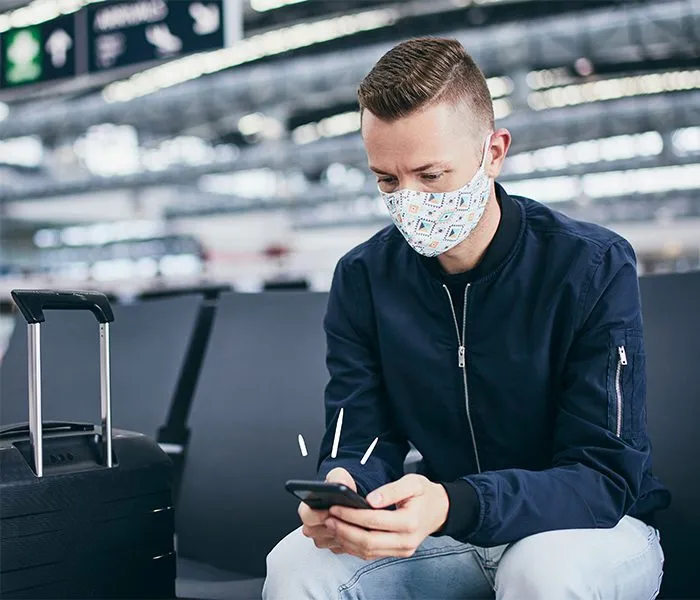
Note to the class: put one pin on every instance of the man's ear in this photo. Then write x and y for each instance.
(498, 149)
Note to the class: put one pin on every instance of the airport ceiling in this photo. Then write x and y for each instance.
(304, 85)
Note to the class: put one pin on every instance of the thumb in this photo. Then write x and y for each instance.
(398, 491)
(340, 475)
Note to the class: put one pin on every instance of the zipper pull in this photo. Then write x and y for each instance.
(623, 356)
(460, 357)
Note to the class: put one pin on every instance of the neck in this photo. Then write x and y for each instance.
(469, 253)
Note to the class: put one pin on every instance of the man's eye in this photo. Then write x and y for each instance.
(432, 176)
(387, 181)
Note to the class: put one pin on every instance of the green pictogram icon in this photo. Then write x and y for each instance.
(23, 55)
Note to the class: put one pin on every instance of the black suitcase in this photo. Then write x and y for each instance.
(85, 512)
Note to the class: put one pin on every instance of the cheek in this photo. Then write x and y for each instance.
(451, 182)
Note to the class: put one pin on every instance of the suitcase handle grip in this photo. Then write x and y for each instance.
(32, 303)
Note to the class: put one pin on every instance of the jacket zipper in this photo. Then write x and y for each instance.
(621, 362)
(462, 361)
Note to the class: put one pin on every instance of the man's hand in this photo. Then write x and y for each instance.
(422, 508)
(314, 520)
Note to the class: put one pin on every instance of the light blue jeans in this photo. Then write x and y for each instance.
(622, 563)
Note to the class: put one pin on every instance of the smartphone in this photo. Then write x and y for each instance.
(321, 495)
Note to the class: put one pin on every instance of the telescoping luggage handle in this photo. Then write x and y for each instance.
(32, 304)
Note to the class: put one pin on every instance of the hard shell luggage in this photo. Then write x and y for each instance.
(85, 511)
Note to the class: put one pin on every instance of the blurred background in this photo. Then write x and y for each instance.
(148, 146)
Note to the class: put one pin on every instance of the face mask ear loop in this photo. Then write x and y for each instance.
(487, 143)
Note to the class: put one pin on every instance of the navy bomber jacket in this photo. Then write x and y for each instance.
(521, 382)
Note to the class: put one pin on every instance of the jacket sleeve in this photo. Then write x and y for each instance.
(356, 385)
(600, 444)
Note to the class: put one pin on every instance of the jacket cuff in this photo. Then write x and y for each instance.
(463, 513)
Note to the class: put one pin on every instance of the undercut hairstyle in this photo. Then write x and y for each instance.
(424, 71)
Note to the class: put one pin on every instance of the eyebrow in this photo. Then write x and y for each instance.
(424, 167)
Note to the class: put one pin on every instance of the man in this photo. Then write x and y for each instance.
(504, 340)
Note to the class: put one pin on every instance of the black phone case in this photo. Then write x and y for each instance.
(321, 495)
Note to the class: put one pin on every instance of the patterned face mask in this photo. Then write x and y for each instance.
(435, 223)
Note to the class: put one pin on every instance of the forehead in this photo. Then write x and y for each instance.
(437, 133)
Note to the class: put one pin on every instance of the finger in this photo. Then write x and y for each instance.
(401, 521)
(392, 493)
(371, 544)
(311, 516)
(305, 509)
(318, 533)
(326, 543)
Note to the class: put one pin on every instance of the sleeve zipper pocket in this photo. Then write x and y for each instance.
(621, 362)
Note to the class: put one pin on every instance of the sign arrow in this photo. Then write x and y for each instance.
(164, 41)
(57, 46)
(207, 19)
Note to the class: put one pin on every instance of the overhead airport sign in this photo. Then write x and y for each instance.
(126, 33)
(115, 34)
